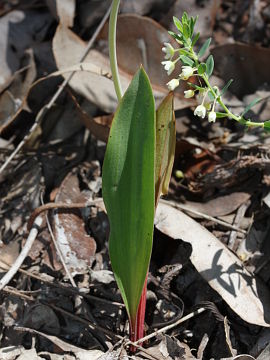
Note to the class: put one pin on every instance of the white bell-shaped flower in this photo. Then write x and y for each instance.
(187, 72)
(200, 111)
(212, 116)
(168, 50)
(189, 94)
(173, 84)
(169, 66)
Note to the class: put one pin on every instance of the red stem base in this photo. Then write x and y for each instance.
(137, 328)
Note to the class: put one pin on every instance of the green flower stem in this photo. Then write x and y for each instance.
(112, 49)
(239, 119)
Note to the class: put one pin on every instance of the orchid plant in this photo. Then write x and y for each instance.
(136, 170)
(194, 66)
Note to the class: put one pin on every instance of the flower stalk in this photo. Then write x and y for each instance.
(112, 49)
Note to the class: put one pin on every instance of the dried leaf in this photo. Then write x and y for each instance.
(242, 291)
(77, 247)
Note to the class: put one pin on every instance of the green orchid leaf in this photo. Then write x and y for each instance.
(129, 189)
(209, 65)
(204, 47)
(253, 103)
(165, 145)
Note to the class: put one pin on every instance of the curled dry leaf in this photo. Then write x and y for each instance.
(224, 272)
(77, 247)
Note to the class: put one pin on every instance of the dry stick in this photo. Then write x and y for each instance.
(207, 217)
(20, 259)
(17, 293)
(168, 327)
(59, 251)
(60, 205)
(48, 106)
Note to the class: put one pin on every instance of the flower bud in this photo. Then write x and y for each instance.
(200, 111)
(173, 84)
(189, 94)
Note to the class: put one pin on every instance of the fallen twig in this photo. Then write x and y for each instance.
(168, 327)
(60, 205)
(20, 259)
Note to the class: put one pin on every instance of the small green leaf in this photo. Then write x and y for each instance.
(223, 91)
(178, 24)
(201, 68)
(195, 39)
(204, 47)
(209, 65)
(165, 146)
(186, 30)
(221, 115)
(253, 103)
(193, 21)
(186, 61)
(185, 17)
(266, 125)
(184, 52)
(176, 36)
(128, 189)
(194, 86)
